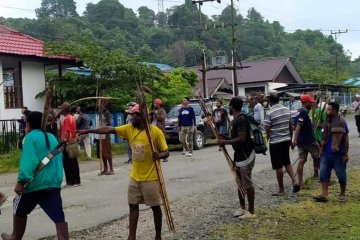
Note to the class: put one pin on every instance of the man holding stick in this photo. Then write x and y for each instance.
(143, 185)
(244, 156)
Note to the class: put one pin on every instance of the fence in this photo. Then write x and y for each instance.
(8, 135)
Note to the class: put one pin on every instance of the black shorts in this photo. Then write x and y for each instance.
(280, 154)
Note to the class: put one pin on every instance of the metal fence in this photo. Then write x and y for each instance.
(8, 135)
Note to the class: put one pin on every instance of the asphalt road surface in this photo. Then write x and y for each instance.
(102, 199)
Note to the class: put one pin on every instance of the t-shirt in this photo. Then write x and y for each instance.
(328, 144)
(278, 119)
(315, 116)
(242, 150)
(356, 106)
(306, 134)
(69, 125)
(220, 116)
(143, 167)
(259, 113)
(186, 117)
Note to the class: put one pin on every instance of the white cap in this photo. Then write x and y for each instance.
(357, 95)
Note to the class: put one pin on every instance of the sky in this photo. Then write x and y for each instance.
(324, 15)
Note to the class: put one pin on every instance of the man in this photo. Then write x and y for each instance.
(158, 116)
(220, 116)
(68, 134)
(278, 128)
(43, 189)
(82, 123)
(187, 126)
(244, 156)
(258, 111)
(335, 147)
(304, 138)
(143, 186)
(356, 107)
(104, 140)
(22, 125)
(130, 105)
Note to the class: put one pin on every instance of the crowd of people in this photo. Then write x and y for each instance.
(317, 130)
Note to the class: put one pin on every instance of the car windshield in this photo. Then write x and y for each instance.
(174, 112)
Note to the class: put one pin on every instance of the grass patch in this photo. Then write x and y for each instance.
(9, 162)
(304, 220)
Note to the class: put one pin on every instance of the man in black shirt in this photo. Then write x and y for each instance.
(244, 156)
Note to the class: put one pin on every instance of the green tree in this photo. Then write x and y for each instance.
(147, 16)
(106, 12)
(57, 9)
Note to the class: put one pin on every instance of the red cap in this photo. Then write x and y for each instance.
(158, 101)
(134, 109)
(307, 98)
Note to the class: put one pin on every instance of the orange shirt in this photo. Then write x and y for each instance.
(68, 125)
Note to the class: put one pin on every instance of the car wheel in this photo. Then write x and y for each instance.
(199, 140)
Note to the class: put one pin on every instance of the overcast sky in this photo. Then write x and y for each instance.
(325, 15)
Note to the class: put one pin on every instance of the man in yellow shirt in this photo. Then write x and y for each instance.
(143, 186)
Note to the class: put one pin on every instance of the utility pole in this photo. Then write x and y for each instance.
(337, 34)
(203, 58)
(233, 50)
(161, 6)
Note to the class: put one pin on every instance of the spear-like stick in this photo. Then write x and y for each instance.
(145, 114)
(224, 151)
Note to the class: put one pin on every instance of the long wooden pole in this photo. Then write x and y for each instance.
(145, 114)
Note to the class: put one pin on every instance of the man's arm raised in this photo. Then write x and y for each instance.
(101, 130)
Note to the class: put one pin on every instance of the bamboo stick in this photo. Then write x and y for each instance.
(142, 102)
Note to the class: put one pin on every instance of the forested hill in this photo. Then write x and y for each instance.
(173, 37)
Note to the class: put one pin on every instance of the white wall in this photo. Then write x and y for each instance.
(249, 85)
(33, 82)
(273, 85)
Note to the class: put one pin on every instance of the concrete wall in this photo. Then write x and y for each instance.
(33, 82)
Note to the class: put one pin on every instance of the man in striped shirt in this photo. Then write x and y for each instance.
(279, 131)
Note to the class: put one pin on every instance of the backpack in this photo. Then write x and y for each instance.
(257, 136)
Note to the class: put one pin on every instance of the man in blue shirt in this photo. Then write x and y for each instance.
(304, 138)
(335, 147)
(187, 126)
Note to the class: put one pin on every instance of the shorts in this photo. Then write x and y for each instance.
(147, 193)
(221, 128)
(280, 155)
(244, 174)
(329, 162)
(313, 149)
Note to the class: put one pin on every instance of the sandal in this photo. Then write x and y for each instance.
(320, 198)
(278, 194)
(296, 188)
(109, 173)
(342, 198)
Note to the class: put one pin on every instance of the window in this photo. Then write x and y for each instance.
(12, 86)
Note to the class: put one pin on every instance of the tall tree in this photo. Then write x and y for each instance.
(147, 16)
(54, 9)
(107, 12)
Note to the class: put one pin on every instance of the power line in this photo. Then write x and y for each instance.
(16, 8)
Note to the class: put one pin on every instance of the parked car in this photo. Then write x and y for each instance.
(203, 132)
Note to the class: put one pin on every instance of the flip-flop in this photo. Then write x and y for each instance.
(342, 198)
(278, 194)
(320, 198)
(109, 173)
(296, 188)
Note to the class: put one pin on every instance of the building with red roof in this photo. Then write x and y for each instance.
(22, 71)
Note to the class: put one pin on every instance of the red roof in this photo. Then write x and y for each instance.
(17, 43)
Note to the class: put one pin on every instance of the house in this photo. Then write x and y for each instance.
(217, 88)
(22, 72)
(259, 76)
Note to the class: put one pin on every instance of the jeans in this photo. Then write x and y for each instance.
(329, 162)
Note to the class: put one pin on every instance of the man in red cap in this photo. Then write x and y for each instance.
(143, 186)
(158, 116)
(304, 138)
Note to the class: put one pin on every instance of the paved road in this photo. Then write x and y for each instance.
(103, 198)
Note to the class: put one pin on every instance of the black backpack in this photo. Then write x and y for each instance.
(257, 135)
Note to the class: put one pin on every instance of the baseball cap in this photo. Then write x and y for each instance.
(306, 98)
(357, 95)
(134, 109)
(158, 101)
